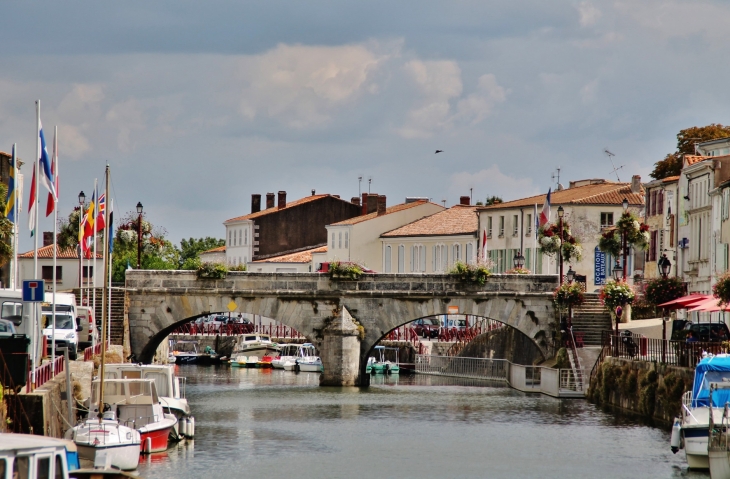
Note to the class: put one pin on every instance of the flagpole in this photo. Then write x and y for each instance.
(34, 338)
(55, 253)
(108, 240)
(93, 268)
(14, 279)
(103, 308)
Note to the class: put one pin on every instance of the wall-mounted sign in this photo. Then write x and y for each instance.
(599, 269)
(453, 310)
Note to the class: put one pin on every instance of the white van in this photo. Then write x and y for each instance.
(89, 334)
(68, 325)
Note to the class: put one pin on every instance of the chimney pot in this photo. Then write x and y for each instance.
(312, 192)
(465, 200)
(47, 238)
(282, 199)
(636, 184)
(255, 203)
(372, 203)
(355, 201)
(269, 200)
(364, 204)
(381, 205)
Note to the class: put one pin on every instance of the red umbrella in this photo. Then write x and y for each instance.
(708, 306)
(685, 301)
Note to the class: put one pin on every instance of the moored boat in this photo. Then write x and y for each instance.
(118, 444)
(255, 344)
(186, 352)
(28, 456)
(310, 364)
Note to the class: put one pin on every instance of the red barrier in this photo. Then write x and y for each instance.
(44, 373)
(92, 351)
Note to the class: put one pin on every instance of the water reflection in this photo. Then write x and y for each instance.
(276, 423)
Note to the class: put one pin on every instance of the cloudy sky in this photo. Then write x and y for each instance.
(197, 105)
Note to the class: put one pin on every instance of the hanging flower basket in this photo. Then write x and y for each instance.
(637, 235)
(616, 293)
(721, 289)
(548, 237)
(568, 295)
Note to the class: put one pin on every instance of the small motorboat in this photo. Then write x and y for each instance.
(383, 366)
(28, 456)
(310, 364)
(255, 344)
(288, 352)
(186, 352)
(119, 445)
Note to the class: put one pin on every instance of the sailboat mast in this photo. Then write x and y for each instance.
(103, 303)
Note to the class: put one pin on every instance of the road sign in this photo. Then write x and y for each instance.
(33, 291)
(453, 310)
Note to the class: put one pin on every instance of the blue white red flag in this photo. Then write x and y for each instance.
(45, 171)
(545, 213)
(51, 203)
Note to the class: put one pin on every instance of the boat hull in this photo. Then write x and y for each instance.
(719, 463)
(187, 359)
(159, 439)
(122, 456)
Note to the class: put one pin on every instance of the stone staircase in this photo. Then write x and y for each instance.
(117, 316)
(591, 319)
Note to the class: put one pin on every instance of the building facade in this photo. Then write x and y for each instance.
(68, 268)
(661, 216)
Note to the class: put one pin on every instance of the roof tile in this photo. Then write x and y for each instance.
(457, 220)
(290, 204)
(370, 216)
(47, 252)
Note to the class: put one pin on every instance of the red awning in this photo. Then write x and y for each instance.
(708, 306)
(685, 301)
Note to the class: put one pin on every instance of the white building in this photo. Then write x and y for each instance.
(590, 206)
(358, 239)
(431, 244)
(215, 255)
(296, 262)
(661, 215)
(67, 268)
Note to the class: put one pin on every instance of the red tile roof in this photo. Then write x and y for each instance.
(608, 193)
(692, 159)
(670, 179)
(392, 209)
(457, 220)
(63, 253)
(298, 257)
(290, 204)
(219, 249)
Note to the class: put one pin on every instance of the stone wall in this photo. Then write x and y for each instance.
(651, 390)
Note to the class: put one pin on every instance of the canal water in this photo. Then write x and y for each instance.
(269, 424)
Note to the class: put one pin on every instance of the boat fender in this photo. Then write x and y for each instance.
(147, 446)
(191, 427)
(183, 423)
(676, 436)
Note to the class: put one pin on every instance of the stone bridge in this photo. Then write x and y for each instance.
(344, 319)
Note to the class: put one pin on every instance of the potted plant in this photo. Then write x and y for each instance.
(617, 293)
(548, 237)
(347, 271)
(470, 273)
(568, 295)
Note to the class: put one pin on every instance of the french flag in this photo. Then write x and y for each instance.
(545, 213)
(44, 167)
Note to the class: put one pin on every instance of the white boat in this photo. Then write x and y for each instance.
(289, 353)
(254, 344)
(170, 389)
(136, 404)
(28, 456)
(117, 444)
(186, 352)
(310, 364)
(693, 424)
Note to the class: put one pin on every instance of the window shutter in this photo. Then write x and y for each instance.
(433, 259)
(446, 257)
(423, 259)
(413, 254)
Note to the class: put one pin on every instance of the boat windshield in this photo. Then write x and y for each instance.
(249, 338)
(186, 347)
(719, 396)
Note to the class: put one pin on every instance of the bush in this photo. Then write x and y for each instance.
(643, 310)
(349, 271)
(238, 267)
(212, 271)
(518, 271)
(721, 290)
(470, 273)
(662, 290)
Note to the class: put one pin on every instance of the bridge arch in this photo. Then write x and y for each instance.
(344, 319)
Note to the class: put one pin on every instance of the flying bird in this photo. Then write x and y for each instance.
(439, 151)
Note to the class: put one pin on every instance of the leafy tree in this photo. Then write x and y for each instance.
(493, 200)
(671, 165)
(68, 231)
(157, 252)
(6, 229)
(190, 250)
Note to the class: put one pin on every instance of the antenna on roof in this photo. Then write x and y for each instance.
(370, 180)
(359, 183)
(615, 169)
(444, 202)
(556, 175)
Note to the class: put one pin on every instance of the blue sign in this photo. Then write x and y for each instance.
(599, 270)
(33, 291)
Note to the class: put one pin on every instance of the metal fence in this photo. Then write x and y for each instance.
(44, 373)
(235, 329)
(673, 353)
(473, 368)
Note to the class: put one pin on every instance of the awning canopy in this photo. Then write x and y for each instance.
(708, 306)
(685, 301)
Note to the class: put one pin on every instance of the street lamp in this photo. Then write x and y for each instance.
(139, 235)
(617, 270)
(624, 249)
(570, 275)
(561, 213)
(664, 266)
(518, 261)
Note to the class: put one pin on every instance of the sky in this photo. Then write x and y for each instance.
(197, 105)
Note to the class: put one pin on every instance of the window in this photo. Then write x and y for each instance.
(528, 230)
(47, 273)
(230, 235)
(606, 219)
(440, 258)
(456, 252)
(469, 253)
(21, 467)
(501, 226)
(245, 237)
(58, 473)
(489, 226)
(347, 239)
(387, 259)
(12, 311)
(418, 258)
(401, 259)
(515, 225)
(653, 246)
(339, 243)
(88, 272)
(333, 240)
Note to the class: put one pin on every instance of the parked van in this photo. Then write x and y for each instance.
(89, 335)
(68, 325)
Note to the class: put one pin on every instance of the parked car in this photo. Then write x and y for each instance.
(89, 335)
(706, 332)
(7, 328)
(427, 327)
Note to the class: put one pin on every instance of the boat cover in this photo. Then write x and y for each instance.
(715, 369)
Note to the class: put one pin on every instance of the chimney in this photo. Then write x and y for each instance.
(381, 205)
(464, 200)
(355, 201)
(47, 238)
(313, 192)
(364, 203)
(282, 199)
(372, 203)
(269, 200)
(255, 203)
(636, 184)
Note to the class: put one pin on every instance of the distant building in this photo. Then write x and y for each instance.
(5, 178)
(296, 262)
(283, 227)
(358, 239)
(661, 216)
(434, 243)
(590, 207)
(215, 255)
(67, 268)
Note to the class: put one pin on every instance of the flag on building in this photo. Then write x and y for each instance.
(10, 200)
(100, 223)
(44, 167)
(51, 203)
(32, 205)
(545, 214)
(484, 245)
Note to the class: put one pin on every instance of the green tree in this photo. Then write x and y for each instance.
(671, 165)
(68, 231)
(493, 200)
(6, 229)
(157, 252)
(190, 250)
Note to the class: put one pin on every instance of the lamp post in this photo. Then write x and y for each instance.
(518, 261)
(570, 275)
(561, 213)
(664, 266)
(82, 200)
(625, 204)
(617, 271)
(139, 235)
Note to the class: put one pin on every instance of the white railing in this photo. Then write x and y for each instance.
(550, 381)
